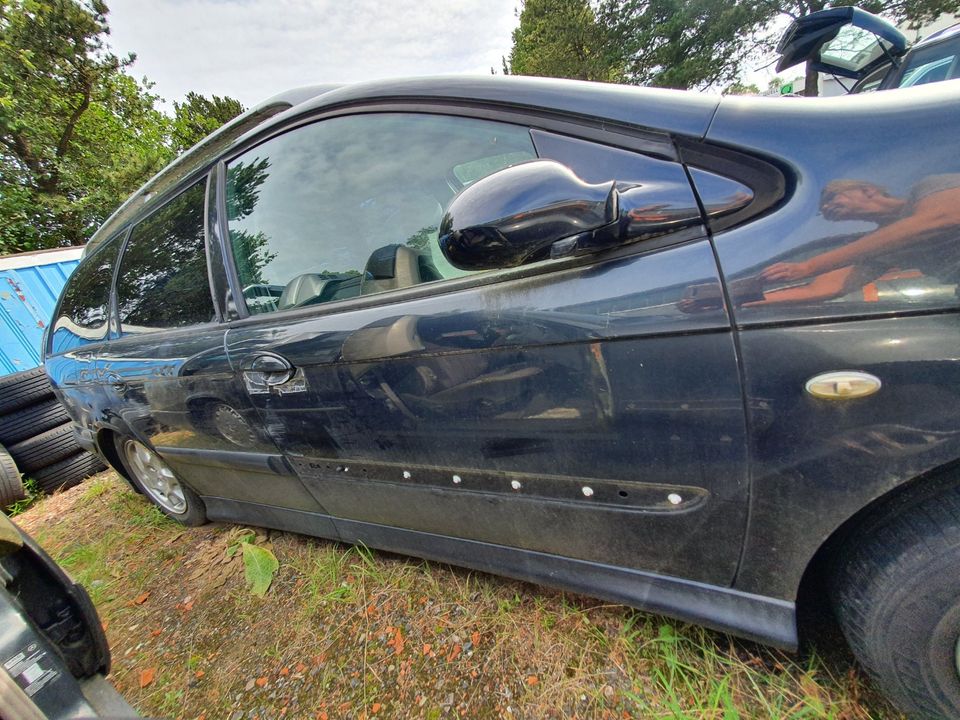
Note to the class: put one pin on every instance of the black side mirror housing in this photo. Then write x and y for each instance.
(541, 209)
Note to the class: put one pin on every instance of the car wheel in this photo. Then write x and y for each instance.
(159, 483)
(897, 597)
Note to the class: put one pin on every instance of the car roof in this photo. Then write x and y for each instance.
(674, 111)
(939, 35)
(200, 156)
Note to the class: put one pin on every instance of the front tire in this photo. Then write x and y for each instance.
(155, 479)
(897, 597)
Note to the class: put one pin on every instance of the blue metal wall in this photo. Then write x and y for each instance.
(27, 298)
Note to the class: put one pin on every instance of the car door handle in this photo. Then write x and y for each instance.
(115, 381)
(263, 371)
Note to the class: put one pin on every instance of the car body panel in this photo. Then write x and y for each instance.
(816, 462)
(533, 400)
(669, 367)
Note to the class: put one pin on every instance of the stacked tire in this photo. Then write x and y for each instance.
(36, 438)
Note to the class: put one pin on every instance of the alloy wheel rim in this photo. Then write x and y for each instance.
(156, 478)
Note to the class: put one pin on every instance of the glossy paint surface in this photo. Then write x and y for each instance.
(641, 409)
(858, 271)
(574, 412)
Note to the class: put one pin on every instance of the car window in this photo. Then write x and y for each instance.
(351, 206)
(83, 311)
(852, 49)
(163, 282)
(872, 81)
(933, 64)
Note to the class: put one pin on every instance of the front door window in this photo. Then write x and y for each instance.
(351, 206)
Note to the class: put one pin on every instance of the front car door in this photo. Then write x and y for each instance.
(589, 409)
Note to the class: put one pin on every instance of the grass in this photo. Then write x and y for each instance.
(32, 493)
(349, 632)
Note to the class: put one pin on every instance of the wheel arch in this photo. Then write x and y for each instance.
(107, 445)
(813, 594)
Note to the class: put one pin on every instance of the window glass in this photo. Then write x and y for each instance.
(853, 48)
(932, 64)
(163, 282)
(83, 312)
(595, 163)
(351, 206)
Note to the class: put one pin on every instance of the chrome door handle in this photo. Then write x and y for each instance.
(263, 371)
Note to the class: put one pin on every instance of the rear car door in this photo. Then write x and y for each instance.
(588, 408)
(164, 375)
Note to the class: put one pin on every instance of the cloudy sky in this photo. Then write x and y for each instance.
(252, 49)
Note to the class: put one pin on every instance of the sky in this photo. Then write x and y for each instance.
(252, 49)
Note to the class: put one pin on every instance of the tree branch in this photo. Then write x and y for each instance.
(21, 148)
(67, 135)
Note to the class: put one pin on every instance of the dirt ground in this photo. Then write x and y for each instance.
(349, 633)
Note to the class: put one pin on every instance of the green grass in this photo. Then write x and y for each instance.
(32, 494)
(344, 630)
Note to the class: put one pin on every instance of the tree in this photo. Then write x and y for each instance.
(561, 38)
(198, 116)
(681, 43)
(76, 132)
(666, 43)
(738, 88)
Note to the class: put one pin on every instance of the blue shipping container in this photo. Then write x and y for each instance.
(30, 284)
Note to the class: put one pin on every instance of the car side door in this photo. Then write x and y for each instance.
(587, 408)
(164, 374)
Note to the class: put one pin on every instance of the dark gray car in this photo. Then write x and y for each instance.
(696, 355)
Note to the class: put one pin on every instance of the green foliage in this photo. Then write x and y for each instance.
(259, 565)
(739, 88)
(198, 116)
(666, 43)
(681, 43)
(78, 134)
(669, 43)
(32, 494)
(561, 38)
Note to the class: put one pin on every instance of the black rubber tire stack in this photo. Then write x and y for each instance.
(37, 433)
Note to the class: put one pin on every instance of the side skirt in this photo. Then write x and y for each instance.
(755, 617)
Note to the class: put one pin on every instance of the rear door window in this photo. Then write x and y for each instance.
(84, 306)
(163, 282)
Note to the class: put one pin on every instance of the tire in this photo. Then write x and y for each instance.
(157, 481)
(897, 598)
(29, 421)
(11, 484)
(69, 472)
(24, 388)
(45, 449)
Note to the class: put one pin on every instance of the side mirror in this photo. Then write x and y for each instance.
(541, 209)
